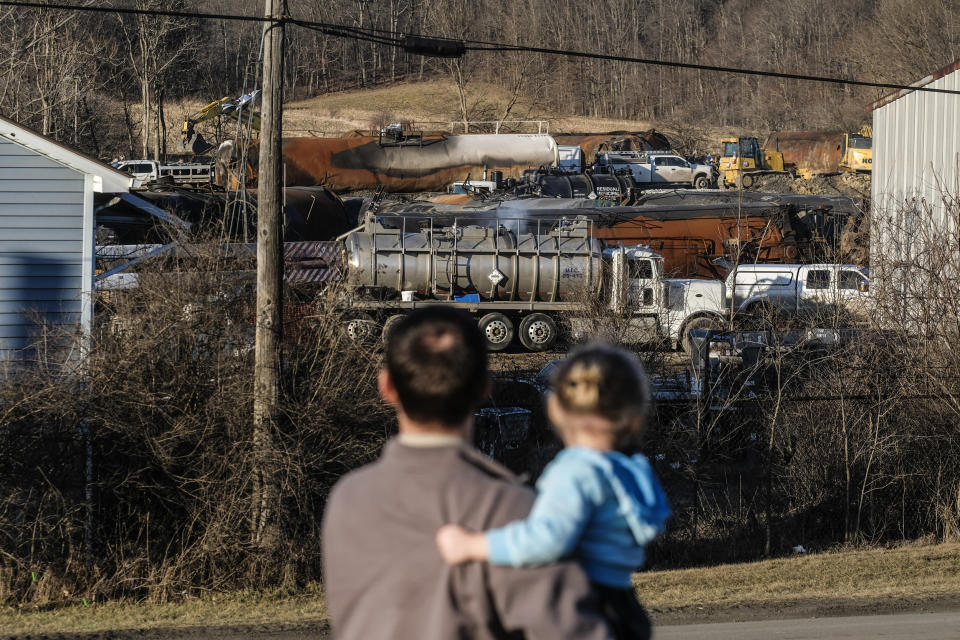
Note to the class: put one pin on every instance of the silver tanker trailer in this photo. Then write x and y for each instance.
(520, 278)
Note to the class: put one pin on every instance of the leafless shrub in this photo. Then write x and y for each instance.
(844, 431)
(380, 120)
(161, 413)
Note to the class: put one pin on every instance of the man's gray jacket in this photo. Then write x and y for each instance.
(384, 577)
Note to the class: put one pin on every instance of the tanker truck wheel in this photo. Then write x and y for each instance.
(538, 332)
(389, 325)
(497, 329)
(361, 327)
(708, 323)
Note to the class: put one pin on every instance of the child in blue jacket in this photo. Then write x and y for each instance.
(593, 502)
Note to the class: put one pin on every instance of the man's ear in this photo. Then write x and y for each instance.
(387, 391)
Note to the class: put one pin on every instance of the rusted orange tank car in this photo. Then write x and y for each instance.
(813, 152)
(690, 244)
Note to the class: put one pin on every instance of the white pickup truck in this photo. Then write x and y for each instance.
(796, 288)
(766, 294)
(657, 168)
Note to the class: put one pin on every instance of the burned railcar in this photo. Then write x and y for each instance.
(697, 234)
(402, 164)
(309, 213)
(591, 143)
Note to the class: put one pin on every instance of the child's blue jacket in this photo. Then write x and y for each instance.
(601, 507)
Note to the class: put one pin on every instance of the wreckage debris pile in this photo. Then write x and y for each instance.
(853, 185)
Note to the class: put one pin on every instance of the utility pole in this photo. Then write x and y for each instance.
(266, 368)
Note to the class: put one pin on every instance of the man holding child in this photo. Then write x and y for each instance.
(385, 576)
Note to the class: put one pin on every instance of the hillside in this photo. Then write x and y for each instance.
(431, 102)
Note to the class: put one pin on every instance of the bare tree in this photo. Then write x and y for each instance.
(155, 45)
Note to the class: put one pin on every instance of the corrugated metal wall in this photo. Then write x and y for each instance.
(916, 142)
(41, 245)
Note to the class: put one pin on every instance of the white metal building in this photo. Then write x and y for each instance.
(47, 248)
(916, 165)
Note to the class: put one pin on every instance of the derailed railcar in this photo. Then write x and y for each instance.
(696, 233)
(309, 214)
(591, 143)
(412, 164)
(808, 152)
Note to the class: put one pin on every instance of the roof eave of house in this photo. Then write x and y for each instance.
(106, 179)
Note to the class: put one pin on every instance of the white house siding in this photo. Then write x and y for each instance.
(41, 247)
(916, 155)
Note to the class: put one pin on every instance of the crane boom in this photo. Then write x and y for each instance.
(240, 109)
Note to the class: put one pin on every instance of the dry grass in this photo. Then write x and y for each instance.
(910, 572)
(433, 101)
(224, 610)
(915, 572)
(430, 101)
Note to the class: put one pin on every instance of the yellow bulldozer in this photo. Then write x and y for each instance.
(742, 159)
(800, 153)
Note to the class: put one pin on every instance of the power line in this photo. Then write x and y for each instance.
(447, 47)
(130, 11)
(501, 48)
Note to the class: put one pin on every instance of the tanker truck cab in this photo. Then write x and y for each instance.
(665, 308)
(635, 274)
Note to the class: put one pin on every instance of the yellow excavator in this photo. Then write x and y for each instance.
(857, 151)
(743, 158)
(239, 109)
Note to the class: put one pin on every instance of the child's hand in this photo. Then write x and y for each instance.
(457, 545)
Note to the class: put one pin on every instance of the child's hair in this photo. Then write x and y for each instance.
(607, 381)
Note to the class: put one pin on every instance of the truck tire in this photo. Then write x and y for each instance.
(361, 327)
(497, 330)
(710, 323)
(389, 325)
(538, 332)
(701, 182)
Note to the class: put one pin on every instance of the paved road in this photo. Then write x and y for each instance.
(906, 626)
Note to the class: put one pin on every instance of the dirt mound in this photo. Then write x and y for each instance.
(854, 185)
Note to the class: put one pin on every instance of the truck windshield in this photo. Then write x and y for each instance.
(860, 142)
(640, 269)
(852, 280)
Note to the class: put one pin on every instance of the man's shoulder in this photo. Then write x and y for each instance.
(352, 485)
(481, 470)
(493, 470)
(495, 494)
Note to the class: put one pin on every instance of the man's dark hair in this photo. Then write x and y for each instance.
(437, 361)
